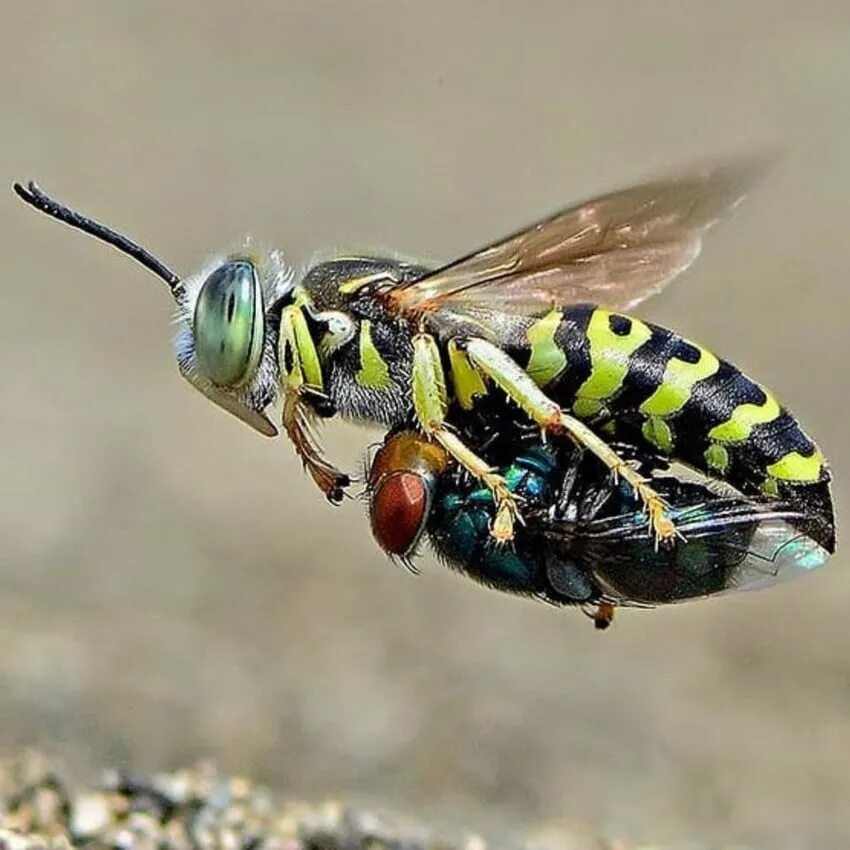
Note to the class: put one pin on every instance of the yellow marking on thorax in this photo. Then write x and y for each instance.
(795, 467)
(374, 371)
(609, 355)
(744, 418)
(547, 359)
(678, 382)
(467, 382)
(355, 283)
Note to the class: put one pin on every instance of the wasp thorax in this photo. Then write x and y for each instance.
(228, 324)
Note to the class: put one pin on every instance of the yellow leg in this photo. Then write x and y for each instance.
(509, 376)
(431, 403)
(507, 513)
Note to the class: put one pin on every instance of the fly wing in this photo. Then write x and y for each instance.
(614, 250)
(729, 544)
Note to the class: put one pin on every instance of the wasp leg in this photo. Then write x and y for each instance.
(430, 403)
(303, 396)
(509, 376)
(330, 480)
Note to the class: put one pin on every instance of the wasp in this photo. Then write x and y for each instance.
(528, 324)
(582, 542)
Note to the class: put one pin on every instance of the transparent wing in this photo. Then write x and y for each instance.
(730, 544)
(614, 250)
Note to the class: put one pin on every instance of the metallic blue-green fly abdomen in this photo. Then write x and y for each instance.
(462, 515)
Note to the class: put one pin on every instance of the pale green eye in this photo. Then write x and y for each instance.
(228, 324)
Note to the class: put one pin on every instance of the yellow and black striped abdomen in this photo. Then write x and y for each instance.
(644, 384)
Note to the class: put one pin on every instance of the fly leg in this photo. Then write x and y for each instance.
(602, 614)
(430, 402)
(509, 376)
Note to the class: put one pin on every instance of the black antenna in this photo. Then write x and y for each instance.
(31, 194)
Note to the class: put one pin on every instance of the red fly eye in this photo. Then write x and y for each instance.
(399, 511)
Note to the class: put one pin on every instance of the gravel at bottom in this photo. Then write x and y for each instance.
(193, 809)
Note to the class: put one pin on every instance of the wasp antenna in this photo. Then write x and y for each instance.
(33, 195)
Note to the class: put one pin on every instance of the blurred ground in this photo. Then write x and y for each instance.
(170, 584)
(194, 808)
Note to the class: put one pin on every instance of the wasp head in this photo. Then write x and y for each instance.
(228, 317)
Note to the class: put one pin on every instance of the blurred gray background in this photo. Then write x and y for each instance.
(172, 586)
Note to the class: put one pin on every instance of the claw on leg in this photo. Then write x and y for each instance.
(330, 480)
(507, 507)
(660, 524)
(507, 510)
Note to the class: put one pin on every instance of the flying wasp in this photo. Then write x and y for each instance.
(515, 326)
(582, 542)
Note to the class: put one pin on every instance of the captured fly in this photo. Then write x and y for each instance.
(583, 540)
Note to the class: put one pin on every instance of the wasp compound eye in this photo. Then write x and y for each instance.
(228, 325)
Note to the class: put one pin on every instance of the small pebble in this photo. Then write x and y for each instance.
(89, 815)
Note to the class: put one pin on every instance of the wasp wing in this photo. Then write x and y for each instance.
(614, 250)
(729, 544)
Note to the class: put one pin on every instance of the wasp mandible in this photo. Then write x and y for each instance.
(533, 318)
